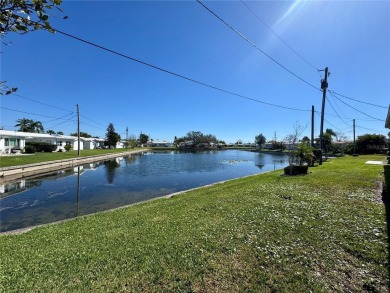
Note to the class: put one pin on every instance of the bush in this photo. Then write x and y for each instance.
(67, 147)
(296, 169)
(29, 149)
(42, 146)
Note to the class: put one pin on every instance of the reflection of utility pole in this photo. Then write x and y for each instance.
(324, 86)
(78, 191)
(78, 130)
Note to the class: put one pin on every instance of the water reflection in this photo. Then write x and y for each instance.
(111, 166)
(90, 188)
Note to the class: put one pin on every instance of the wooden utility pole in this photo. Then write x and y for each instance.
(354, 142)
(324, 86)
(312, 127)
(78, 130)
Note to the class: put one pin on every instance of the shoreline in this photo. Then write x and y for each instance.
(17, 172)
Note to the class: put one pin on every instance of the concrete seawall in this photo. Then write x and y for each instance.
(17, 172)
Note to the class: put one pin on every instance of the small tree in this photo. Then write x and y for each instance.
(111, 136)
(295, 151)
(260, 139)
(143, 138)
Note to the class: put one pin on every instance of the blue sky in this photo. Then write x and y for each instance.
(351, 38)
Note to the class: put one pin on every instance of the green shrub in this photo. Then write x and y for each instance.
(29, 149)
(42, 146)
(67, 147)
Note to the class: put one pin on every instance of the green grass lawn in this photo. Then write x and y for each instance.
(323, 232)
(17, 160)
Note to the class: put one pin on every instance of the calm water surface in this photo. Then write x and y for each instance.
(108, 184)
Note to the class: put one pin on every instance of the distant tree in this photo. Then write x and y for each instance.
(51, 132)
(111, 136)
(371, 143)
(29, 125)
(82, 134)
(260, 139)
(198, 139)
(340, 136)
(132, 141)
(143, 138)
(60, 133)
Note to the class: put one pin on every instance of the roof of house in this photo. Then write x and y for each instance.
(31, 135)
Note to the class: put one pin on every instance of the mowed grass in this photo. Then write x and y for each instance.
(17, 160)
(324, 232)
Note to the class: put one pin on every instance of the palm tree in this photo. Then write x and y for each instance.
(29, 125)
(36, 126)
(23, 124)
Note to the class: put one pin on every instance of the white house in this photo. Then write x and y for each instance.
(15, 140)
(159, 144)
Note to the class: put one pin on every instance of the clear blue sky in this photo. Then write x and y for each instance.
(351, 38)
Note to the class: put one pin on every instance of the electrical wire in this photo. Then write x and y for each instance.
(338, 115)
(358, 110)
(359, 101)
(91, 120)
(256, 47)
(62, 117)
(280, 39)
(35, 114)
(176, 74)
(64, 121)
(35, 101)
(334, 126)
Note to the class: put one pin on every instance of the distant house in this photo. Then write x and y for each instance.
(159, 144)
(15, 140)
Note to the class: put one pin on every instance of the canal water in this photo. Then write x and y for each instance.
(122, 181)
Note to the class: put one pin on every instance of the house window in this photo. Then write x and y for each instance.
(60, 143)
(12, 142)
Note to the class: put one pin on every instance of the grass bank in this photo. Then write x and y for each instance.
(324, 232)
(18, 160)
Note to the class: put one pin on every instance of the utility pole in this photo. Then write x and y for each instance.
(354, 142)
(324, 86)
(312, 127)
(78, 130)
(127, 137)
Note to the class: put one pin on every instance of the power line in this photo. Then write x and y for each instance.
(63, 121)
(176, 74)
(9, 109)
(62, 117)
(358, 110)
(334, 126)
(35, 101)
(336, 111)
(359, 101)
(254, 45)
(91, 120)
(280, 39)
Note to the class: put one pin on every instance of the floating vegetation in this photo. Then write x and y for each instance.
(233, 162)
